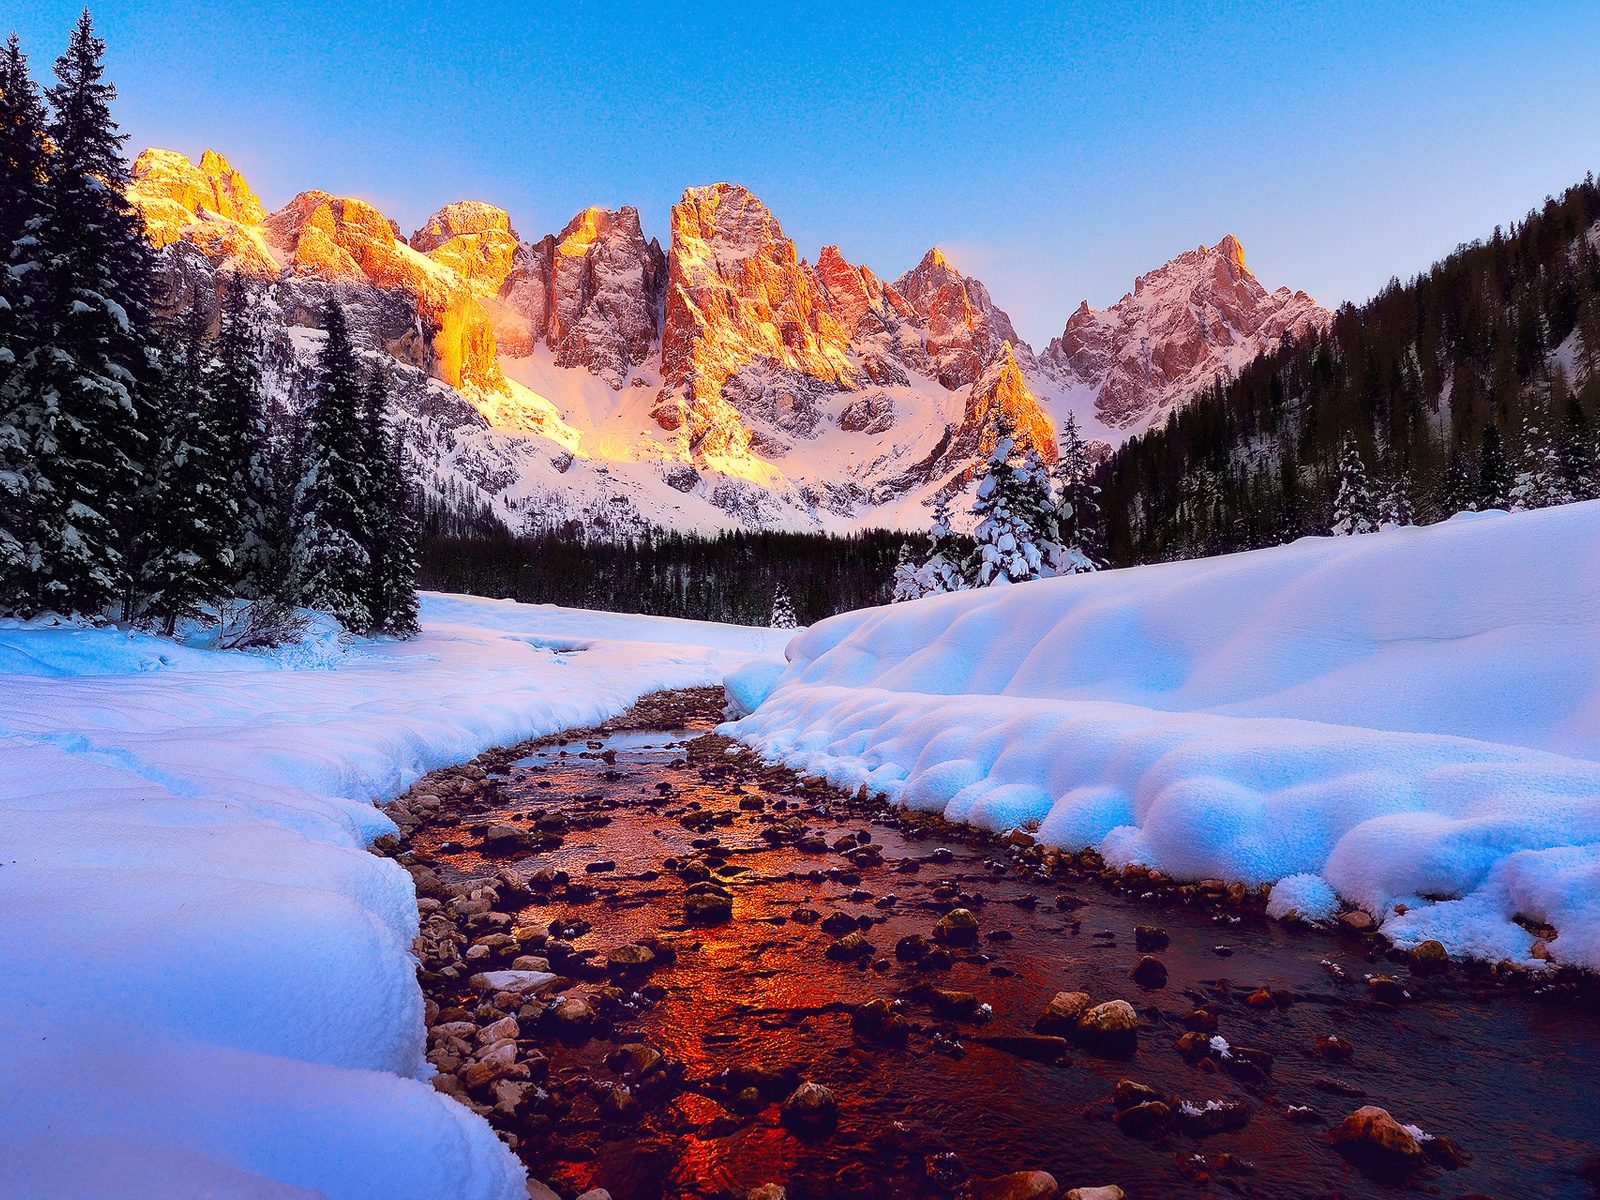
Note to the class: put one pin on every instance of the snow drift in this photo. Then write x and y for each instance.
(1411, 717)
(208, 984)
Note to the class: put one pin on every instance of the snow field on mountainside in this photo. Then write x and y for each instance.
(208, 984)
(1406, 718)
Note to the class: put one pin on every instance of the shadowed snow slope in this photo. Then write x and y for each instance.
(208, 984)
(1413, 715)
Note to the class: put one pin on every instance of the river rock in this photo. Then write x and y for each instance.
(630, 957)
(1144, 1119)
(1109, 1191)
(850, 947)
(1377, 1143)
(1061, 1015)
(810, 1108)
(877, 1021)
(1020, 1185)
(518, 982)
(1331, 1047)
(1111, 1028)
(1149, 972)
(1150, 937)
(958, 927)
(1429, 958)
(504, 839)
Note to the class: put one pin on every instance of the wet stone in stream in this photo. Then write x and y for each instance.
(663, 968)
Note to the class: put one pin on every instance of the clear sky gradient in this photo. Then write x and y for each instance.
(1055, 151)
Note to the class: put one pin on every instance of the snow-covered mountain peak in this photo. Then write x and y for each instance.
(1200, 314)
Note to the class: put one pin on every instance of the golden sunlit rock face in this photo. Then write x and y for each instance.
(335, 238)
(208, 205)
(736, 361)
(473, 239)
(592, 293)
(999, 395)
(737, 297)
(342, 238)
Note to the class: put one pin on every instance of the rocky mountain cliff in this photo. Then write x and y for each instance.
(1199, 314)
(592, 377)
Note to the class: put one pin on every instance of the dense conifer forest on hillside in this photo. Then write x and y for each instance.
(1472, 386)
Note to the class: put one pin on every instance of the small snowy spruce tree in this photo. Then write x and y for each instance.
(1494, 471)
(904, 585)
(1396, 509)
(782, 610)
(1540, 479)
(1354, 509)
(942, 572)
(1457, 491)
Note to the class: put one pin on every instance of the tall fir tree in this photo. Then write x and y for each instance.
(91, 367)
(233, 379)
(183, 557)
(336, 488)
(22, 207)
(391, 523)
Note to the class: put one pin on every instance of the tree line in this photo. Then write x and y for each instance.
(1473, 386)
(738, 576)
(147, 474)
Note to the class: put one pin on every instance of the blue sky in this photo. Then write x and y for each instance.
(1054, 151)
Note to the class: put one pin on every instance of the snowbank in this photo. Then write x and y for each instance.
(208, 986)
(1413, 716)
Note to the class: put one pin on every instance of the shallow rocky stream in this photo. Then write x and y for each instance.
(691, 937)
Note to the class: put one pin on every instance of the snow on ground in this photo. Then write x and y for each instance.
(1409, 717)
(208, 986)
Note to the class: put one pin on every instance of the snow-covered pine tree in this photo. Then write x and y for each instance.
(942, 572)
(1396, 508)
(1015, 533)
(1077, 507)
(904, 584)
(335, 489)
(1354, 509)
(183, 557)
(22, 203)
(92, 364)
(392, 527)
(1577, 449)
(782, 610)
(1494, 471)
(1539, 481)
(1457, 491)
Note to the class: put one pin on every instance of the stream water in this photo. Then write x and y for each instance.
(757, 1002)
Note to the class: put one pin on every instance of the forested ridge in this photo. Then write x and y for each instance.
(1472, 386)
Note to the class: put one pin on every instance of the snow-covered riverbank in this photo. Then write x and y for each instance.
(208, 985)
(1410, 717)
